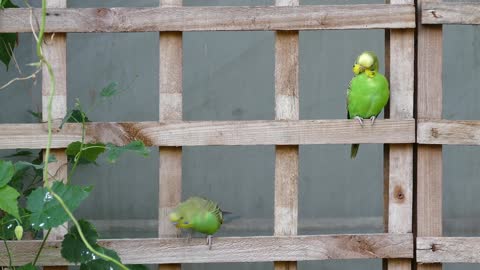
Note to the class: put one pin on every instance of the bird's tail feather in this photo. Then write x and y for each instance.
(354, 150)
(229, 216)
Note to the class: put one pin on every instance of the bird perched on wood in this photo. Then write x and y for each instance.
(367, 93)
(200, 215)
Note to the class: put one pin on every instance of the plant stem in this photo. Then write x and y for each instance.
(52, 87)
(41, 247)
(9, 254)
(80, 232)
(42, 29)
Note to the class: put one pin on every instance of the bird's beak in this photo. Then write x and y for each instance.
(357, 69)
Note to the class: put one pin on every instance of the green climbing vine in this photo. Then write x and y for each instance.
(34, 200)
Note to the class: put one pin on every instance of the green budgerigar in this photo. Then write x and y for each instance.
(367, 93)
(198, 214)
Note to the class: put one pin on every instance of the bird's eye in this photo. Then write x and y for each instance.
(181, 218)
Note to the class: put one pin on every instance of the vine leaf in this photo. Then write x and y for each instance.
(109, 91)
(9, 222)
(8, 201)
(7, 227)
(89, 154)
(75, 251)
(115, 151)
(29, 266)
(7, 170)
(36, 115)
(47, 211)
(19, 165)
(101, 264)
(137, 267)
(7, 4)
(20, 153)
(8, 41)
(75, 116)
(73, 248)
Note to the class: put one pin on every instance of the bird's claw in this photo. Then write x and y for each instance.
(189, 237)
(209, 242)
(359, 119)
(372, 119)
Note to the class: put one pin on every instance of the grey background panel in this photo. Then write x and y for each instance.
(230, 76)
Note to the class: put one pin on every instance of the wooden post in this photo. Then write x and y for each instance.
(170, 182)
(429, 157)
(398, 190)
(286, 157)
(54, 49)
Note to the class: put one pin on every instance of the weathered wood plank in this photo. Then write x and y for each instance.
(286, 157)
(448, 249)
(182, 133)
(401, 75)
(54, 49)
(170, 108)
(401, 55)
(214, 18)
(232, 249)
(448, 132)
(356, 224)
(429, 105)
(451, 13)
(136, 226)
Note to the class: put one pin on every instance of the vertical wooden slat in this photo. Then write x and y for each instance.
(400, 54)
(54, 49)
(286, 157)
(429, 105)
(170, 182)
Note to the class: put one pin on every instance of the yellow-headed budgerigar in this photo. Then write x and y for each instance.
(200, 215)
(367, 93)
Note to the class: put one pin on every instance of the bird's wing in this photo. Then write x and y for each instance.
(348, 93)
(213, 208)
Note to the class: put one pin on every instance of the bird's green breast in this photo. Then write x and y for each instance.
(367, 96)
(206, 223)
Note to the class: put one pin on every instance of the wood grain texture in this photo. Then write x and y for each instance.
(198, 133)
(214, 18)
(232, 249)
(265, 225)
(286, 157)
(170, 108)
(448, 249)
(431, 131)
(429, 105)
(401, 74)
(54, 49)
(134, 226)
(451, 13)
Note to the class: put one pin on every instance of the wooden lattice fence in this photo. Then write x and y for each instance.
(405, 46)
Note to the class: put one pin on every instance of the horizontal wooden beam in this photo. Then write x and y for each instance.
(198, 133)
(450, 13)
(141, 227)
(230, 249)
(242, 225)
(157, 19)
(448, 132)
(372, 223)
(448, 249)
